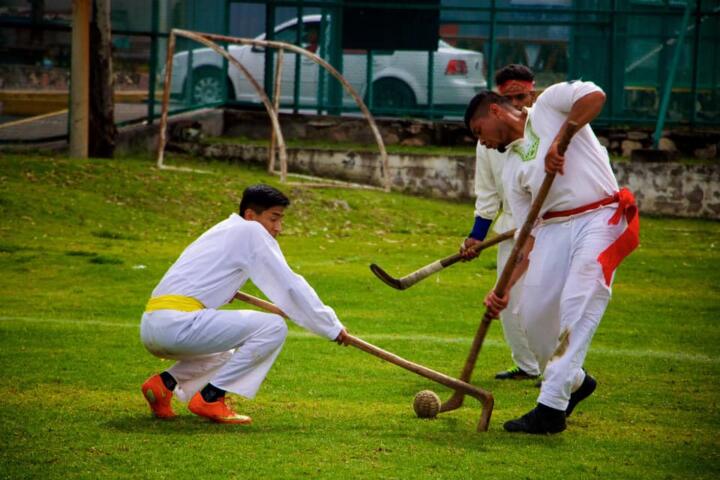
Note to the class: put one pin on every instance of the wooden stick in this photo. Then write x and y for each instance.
(483, 396)
(501, 287)
(418, 275)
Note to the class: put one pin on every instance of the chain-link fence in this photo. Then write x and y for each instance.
(626, 46)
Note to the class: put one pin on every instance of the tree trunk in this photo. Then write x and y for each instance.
(102, 122)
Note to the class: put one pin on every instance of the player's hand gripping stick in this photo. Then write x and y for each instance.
(418, 275)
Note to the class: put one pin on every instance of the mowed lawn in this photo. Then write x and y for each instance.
(83, 243)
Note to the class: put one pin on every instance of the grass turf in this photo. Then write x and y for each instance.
(82, 244)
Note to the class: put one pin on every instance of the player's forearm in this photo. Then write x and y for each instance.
(586, 109)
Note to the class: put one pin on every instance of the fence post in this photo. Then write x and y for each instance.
(431, 82)
(335, 93)
(269, 53)
(368, 79)
(491, 52)
(667, 90)
(296, 74)
(695, 65)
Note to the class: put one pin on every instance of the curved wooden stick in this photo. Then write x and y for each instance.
(456, 400)
(418, 275)
(483, 396)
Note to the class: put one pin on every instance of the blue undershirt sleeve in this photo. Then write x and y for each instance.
(480, 228)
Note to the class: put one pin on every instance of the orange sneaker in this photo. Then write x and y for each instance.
(158, 397)
(216, 411)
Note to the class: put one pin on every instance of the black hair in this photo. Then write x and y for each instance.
(514, 71)
(259, 198)
(480, 103)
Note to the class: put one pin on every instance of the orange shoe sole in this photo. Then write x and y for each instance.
(217, 412)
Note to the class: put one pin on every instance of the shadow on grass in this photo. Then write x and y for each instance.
(190, 425)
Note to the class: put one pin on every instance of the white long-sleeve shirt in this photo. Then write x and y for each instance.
(489, 193)
(588, 176)
(222, 259)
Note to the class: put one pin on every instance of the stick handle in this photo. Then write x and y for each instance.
(424, 272)
(478, 247)
(380, 353)
(260, 303)
(428, 373)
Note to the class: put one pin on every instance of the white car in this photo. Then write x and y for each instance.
(399, 78)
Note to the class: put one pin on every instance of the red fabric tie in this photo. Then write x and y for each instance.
(628, 241)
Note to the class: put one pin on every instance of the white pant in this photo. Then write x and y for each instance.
(232, 349)
(564, 295)
(513, 328)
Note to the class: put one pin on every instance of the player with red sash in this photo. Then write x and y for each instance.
(587, 226)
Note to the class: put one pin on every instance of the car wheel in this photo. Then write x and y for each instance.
(207, 86)
(392, 93)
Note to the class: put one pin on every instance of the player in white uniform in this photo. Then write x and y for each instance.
(587, 227)
(220, 351)
(517, 84)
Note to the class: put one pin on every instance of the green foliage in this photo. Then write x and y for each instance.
(83, 243)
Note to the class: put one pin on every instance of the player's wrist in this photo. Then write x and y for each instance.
(480, 228)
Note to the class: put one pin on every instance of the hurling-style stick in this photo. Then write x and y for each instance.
(485, 397)
(418, 275)
(502, 284)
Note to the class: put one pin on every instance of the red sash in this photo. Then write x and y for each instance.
(628, 241)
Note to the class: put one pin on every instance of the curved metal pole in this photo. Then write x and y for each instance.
(201, 38)
(326, 66)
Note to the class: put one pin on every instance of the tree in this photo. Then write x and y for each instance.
(103, 132)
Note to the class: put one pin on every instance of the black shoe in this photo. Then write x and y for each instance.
(586, 389)
(539, 420)
(514, 373)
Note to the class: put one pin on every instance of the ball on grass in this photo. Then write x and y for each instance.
(426, 404)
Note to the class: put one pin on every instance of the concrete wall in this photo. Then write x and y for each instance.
(143, 138)
(683, 190)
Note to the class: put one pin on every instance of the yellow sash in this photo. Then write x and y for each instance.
(173, 302)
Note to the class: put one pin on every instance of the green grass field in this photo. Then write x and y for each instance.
(83, 243)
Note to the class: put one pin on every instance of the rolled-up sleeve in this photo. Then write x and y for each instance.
(561, 96)
(272, 275)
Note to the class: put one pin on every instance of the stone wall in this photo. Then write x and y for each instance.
(698, 143)
(683, 190)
